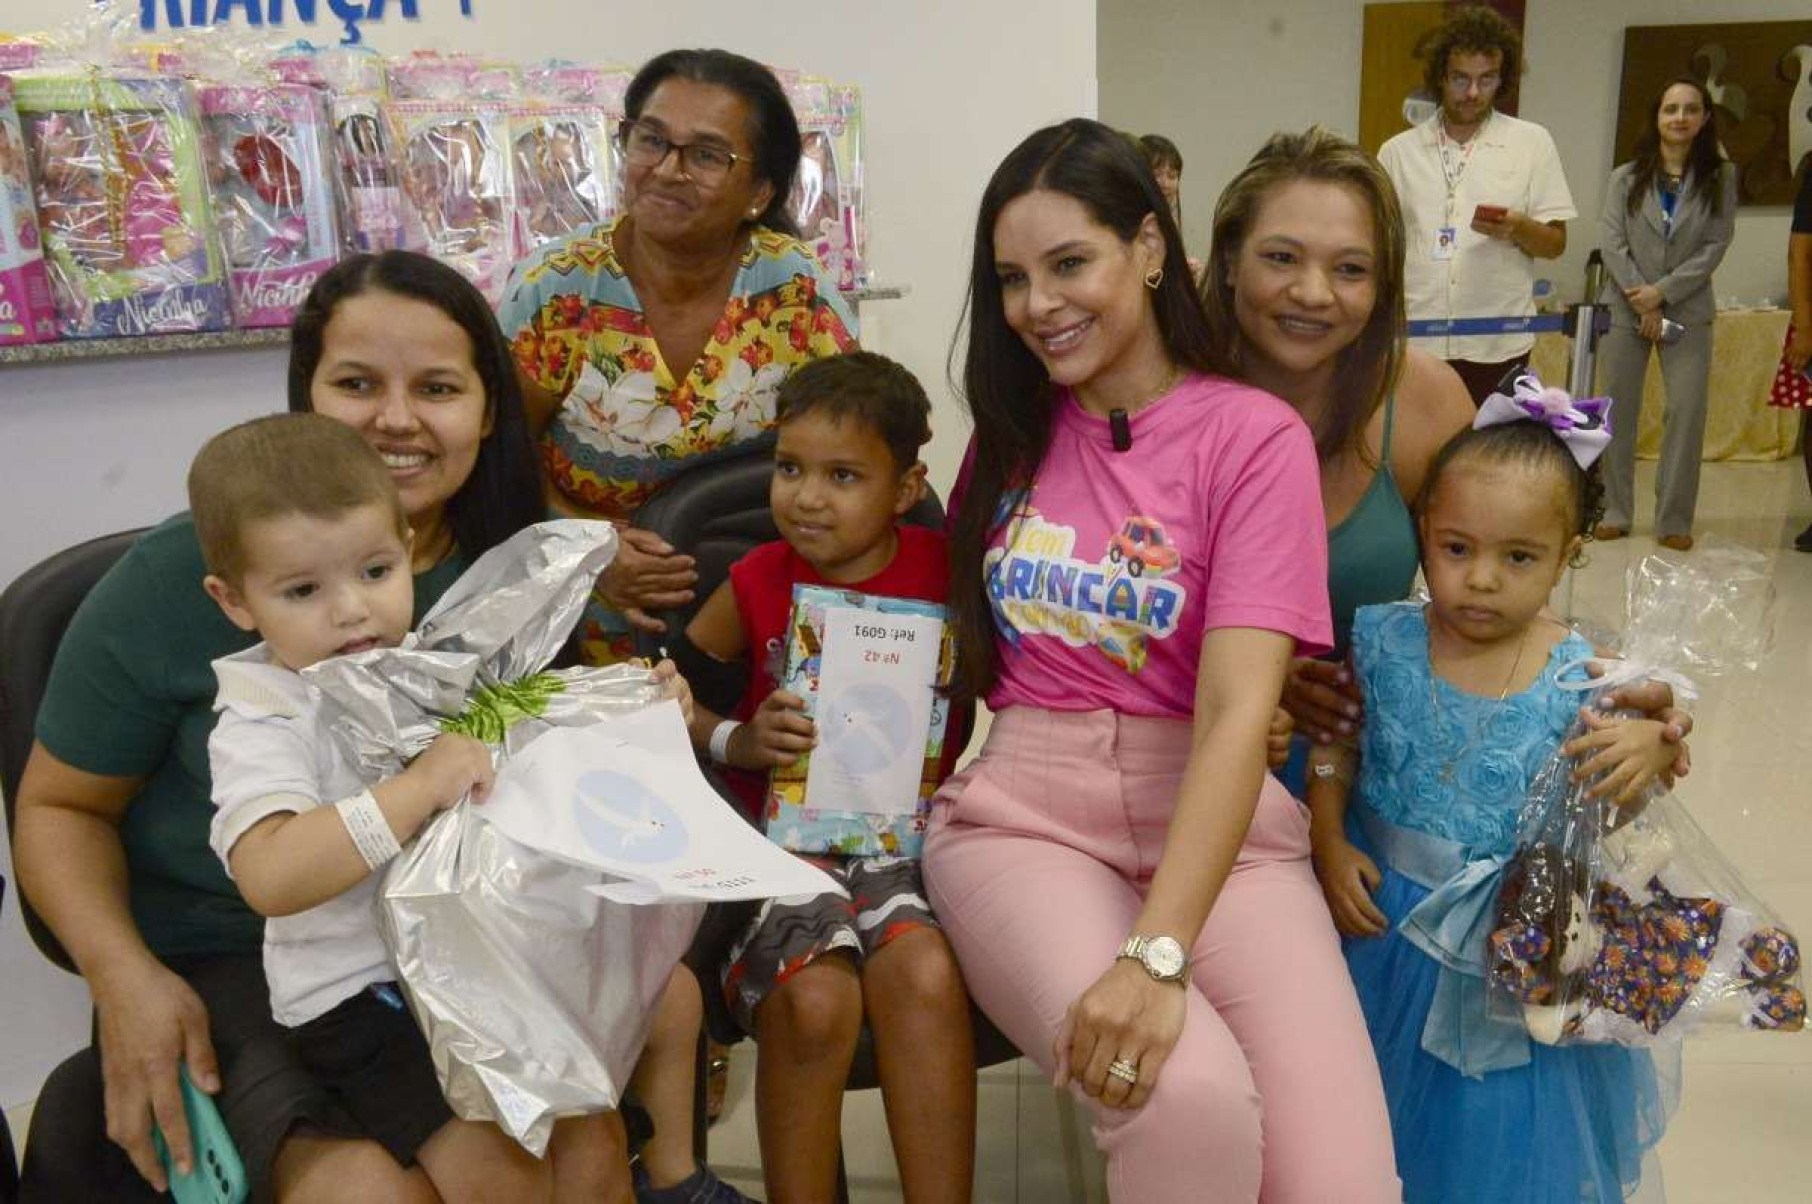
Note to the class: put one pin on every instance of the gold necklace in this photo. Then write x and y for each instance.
(1478, 729)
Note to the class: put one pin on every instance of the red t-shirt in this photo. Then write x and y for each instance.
(763, 582)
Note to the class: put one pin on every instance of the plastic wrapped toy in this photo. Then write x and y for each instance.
(562, 165)
(26, 313)
(365, 178)
(531, 980)
(826, 202)
(1631, 929)
(123, 209)
(458, 200)
(273, 198)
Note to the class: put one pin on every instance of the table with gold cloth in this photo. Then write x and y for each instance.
(1740, 424)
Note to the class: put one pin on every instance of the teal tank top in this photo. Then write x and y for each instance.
(1372, 554)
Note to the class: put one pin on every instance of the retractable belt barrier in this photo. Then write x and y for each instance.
(1587, 319)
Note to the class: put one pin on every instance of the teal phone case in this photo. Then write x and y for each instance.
(218, 1176)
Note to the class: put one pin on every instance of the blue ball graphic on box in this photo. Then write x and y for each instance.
(622, 818)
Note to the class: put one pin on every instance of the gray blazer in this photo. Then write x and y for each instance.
(1637, 253)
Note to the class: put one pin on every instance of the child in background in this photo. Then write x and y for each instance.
(306, 543)
(805, 972)
(1464, 706)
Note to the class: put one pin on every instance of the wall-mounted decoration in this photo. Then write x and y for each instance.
(1759, 74)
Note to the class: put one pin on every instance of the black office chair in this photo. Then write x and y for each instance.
(9, 1162)
(716, 512)
(34, 612)
(67, 1139)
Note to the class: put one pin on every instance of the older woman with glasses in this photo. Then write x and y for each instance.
(658, 340)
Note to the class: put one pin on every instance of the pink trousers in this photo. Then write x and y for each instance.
(1037, 860)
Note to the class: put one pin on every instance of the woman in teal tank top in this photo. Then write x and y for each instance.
(1304, 288)
(1304, 291)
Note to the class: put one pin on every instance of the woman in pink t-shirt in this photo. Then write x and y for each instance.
(1139, 550)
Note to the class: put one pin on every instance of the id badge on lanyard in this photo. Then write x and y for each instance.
(1446, 237)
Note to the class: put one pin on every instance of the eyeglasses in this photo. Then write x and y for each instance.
(1465, 83)
(706, 163)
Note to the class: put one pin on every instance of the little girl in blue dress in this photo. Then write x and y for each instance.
(1464, 704)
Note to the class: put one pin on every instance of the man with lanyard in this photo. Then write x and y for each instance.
(1483, 197)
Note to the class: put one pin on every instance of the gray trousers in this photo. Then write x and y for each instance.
(1685, 373)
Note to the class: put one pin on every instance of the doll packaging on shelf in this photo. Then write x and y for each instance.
(273, 198)
(121, 189)
(26, 312)
(368, 197)
(458, 201)
(826, 202)
(1629, 927)
(562, 163)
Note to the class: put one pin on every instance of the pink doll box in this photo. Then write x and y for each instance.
(458, 200)
(121, 191)
(273, 200)
(562, 161)
(26, 312)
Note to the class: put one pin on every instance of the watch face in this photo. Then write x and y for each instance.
(1164, 957)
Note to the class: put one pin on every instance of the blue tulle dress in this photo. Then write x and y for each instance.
(1479, 1113)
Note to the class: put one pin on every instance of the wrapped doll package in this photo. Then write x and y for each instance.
(1622, 928)
(267, 163)
(122, 200)
(515, 924)
(869, 670)
(826, 203)
(367, 197)
(563, 162)
(26, 313)
(458, 201)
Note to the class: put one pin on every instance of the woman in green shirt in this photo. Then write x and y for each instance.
(113, 813)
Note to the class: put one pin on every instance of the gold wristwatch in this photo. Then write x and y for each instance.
(1162, 956)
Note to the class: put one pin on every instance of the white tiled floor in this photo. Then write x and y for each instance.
(1744, 1129)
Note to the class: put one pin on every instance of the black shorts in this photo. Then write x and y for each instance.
(265, 1090)
(370, 1055)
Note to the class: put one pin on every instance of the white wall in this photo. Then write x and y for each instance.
(950, 86)
(1217, 78)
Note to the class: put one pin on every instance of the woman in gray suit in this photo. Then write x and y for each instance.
(1669, 215)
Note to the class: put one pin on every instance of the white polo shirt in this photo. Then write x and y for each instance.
(1511, 163)
(271, 753)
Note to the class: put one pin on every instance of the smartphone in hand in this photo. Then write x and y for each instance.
(218, 1176)
(1490, 213)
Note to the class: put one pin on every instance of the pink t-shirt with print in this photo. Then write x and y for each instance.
(1106, 576)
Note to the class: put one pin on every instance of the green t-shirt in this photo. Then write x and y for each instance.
(132, 695)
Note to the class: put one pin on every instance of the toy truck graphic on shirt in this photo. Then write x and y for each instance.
(1116, 604)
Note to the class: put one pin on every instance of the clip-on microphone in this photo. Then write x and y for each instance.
(1121, 429)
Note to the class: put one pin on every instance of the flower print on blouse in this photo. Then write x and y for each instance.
(627, 422)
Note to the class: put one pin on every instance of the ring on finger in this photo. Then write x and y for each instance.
(1127, 1072)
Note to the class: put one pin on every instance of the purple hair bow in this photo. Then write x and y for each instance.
(1583, 425)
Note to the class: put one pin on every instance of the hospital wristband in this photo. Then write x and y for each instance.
(369, 830)
(720, 740)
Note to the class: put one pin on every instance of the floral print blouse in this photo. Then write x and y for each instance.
(627, 421)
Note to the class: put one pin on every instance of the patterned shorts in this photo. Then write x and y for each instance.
(886, 898)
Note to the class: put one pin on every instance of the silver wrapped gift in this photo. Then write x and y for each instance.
(533, 991)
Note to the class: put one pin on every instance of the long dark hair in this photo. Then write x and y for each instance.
(504, 492)
(1366, 369)
(773, 130)
(1703, 159)
(1007, 390)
